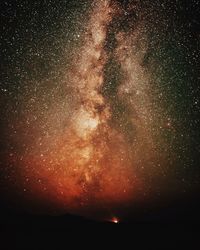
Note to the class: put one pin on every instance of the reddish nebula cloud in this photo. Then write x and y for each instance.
(90, 162)
(87, 153)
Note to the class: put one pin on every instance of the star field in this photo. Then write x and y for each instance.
(99, 102)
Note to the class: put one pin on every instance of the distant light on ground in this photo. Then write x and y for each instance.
(115, 220)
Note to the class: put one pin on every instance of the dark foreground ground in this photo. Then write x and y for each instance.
(172, 226)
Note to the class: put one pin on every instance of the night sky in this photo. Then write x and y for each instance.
(99, 104)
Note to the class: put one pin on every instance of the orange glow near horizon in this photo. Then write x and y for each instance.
(115, 220)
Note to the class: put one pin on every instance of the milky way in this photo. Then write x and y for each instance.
(98, 132)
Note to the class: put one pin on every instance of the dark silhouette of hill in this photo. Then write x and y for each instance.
(163, 223)
(182, 211)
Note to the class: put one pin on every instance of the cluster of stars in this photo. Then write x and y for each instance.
(100, 101)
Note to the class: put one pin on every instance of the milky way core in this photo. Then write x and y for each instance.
(90, 162)
(94, 132)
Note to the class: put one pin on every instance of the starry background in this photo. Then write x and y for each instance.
(40, 41)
